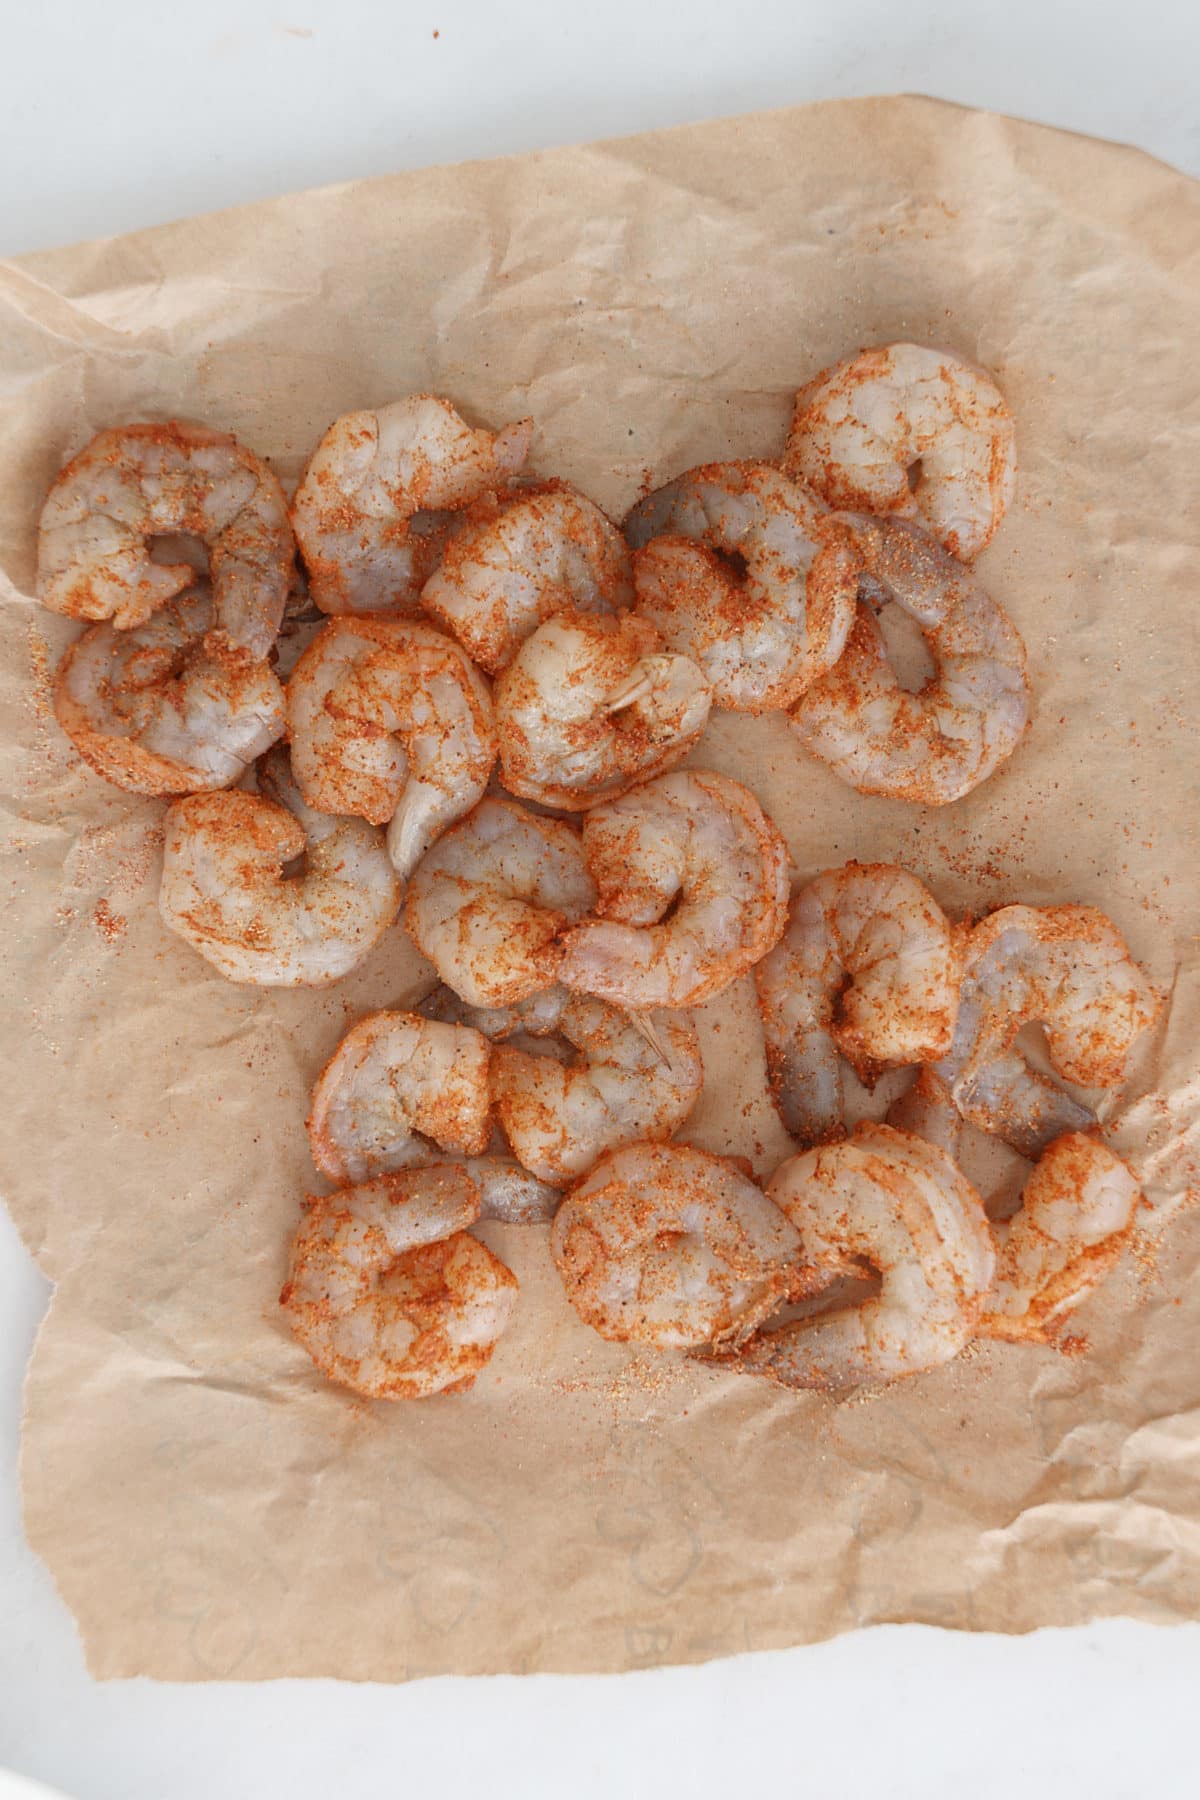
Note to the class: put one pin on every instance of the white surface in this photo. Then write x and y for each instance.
(134, 112)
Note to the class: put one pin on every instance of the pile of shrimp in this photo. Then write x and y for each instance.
(439, 693)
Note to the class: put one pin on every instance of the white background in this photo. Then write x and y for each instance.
(128, 113)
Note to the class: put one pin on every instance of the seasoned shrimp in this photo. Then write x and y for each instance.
(225, 891)
(1074, 1221)
(149, 709)
(489, 903)
(402, 1091)
(137, 483)
(389, 721)
(764, 635)
(696, 841)
(867, 969)
(912, 432)
(503, 574)
(900, 1207)
(389, 1294)
(662, 1244)
(590, 705)
(934, 746)
(615, 1086)
(371, 511)
(1064, 967)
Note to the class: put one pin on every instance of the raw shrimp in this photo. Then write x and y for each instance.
(899, 1206)
(380, 491)
(1064, 967)
(403, 1091)
(502, 575)
(662, 1244)
(1074, 1221)
(934, 746)
(693, 840)
(149, 709)
(489, 903)
(389, 721)
(225, 891)
(866, 968)
(590, 705)
(137, 483)
(614, 1085)
(389, 1294)
(913, 432)
(764, 635)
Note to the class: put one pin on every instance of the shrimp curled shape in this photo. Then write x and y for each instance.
(224, 889)
(389, 721)
(1064, 967)
(137, 483)
(662, 1244)
(911, 432)
(379, 494)
(693, 840)
(612, 1084)
(151, 710)
(900, 1206)
(934, 746)
(489, 903)
(388, 1292)
(867, 970)
(763, 636)
(505, 573)
(591, 705)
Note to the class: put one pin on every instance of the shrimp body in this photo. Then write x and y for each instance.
(693, 840)
(503, 574)
(141, 482)
(224, 890)
(489, 903)
(590, 705)
(381, 487)
(764, 636)
(149, 709)
(612, 1085)
(867, 969)
(910, 432)
(387, 1292)
(665, 1245)
(1068, 969)
(934, 746)
(1074, 1221)
(901, 1207)
(389, 721)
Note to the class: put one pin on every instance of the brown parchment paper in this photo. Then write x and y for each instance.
(207, 1505)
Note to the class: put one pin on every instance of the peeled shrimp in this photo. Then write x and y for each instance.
(867, 969)
(1067, 968)
(502, 575)
(662, 1244)
(590, 705)
(137, 483)
(1074, 1221)
(613, 1086)
(489, 903)
(899, 1206)
(934, 746)
(764, 635)
(387, 1292)
(369, 512)
(149, 709)
(225, 891)
(913, 432)
(389, 721)
(693, 840)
